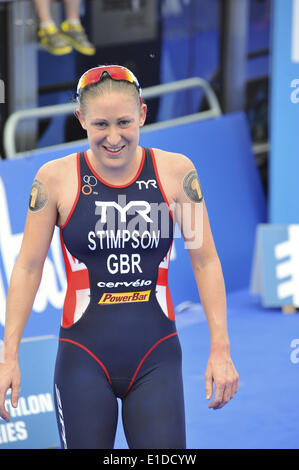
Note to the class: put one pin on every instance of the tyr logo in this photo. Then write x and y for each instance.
(146, 184)
(141, 207)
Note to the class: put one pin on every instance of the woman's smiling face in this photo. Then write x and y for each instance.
(112, 121)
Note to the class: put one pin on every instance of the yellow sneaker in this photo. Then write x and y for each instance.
(52, 40)
(76, 36)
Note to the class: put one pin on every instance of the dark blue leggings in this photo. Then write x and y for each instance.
(152, 404)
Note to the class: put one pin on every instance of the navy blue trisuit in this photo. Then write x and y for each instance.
(118, 338)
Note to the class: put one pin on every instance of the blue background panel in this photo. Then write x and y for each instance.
(33, 423)
(284, 115)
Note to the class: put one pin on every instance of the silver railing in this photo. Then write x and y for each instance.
(9, 132)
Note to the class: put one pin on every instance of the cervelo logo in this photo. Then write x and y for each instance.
(109, 298)
(138, 283)
(53, 283)
(142, 184)
(141, 207)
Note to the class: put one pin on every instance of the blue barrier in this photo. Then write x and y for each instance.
(33, 422)
(284, 163)
(221, 151)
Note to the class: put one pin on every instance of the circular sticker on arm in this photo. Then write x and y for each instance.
(191, 186)
(38, 196)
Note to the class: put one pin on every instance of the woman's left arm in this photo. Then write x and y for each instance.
(192, 217)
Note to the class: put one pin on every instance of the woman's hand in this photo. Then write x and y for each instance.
(220, 371)
(10, 377)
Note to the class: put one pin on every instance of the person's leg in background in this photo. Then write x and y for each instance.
(72, 10)
(48, 34)
(43, 11)
(72, 29)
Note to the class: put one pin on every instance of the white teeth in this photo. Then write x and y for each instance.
(113, 149)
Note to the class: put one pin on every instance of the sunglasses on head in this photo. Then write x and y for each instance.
(116, 72)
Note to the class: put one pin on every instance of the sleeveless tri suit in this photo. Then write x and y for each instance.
(118, 337)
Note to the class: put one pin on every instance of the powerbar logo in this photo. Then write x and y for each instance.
(125, 297)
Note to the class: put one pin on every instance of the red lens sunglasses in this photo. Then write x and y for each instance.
(116, 72)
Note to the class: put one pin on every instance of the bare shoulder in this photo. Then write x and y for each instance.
(51, 181)
(52, 171)
(175, 164)
(178, 176)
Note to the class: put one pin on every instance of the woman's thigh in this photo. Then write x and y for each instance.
(86, 407)
(153, 411)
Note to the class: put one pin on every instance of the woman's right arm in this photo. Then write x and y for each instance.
(26, 277)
